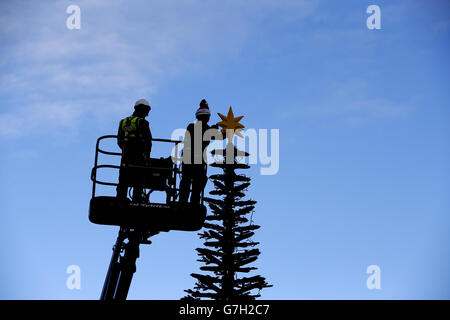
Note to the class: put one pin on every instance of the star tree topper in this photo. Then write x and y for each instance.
(232, 124)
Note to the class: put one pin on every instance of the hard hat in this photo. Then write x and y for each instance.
(203, 109)
(142, 103)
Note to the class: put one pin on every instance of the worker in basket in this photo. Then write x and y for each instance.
(197, 138)
(135, 139)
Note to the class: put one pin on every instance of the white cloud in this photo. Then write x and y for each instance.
(122, 52)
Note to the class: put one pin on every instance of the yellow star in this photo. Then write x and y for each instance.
(230, 122)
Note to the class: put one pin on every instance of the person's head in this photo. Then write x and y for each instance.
(203, 114)
(141, 108)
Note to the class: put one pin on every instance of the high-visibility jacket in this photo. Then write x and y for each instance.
(135, 131)
(129, 127)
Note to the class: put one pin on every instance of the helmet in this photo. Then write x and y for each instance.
(142, 103)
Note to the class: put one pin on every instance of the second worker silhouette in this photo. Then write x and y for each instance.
(194, 164)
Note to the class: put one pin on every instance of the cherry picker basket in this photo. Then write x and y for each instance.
(160, 174)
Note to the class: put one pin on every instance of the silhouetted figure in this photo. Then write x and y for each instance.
(194, 165)
(135, 139)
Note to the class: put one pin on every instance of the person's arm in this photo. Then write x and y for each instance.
(221, 135)
(150, 142)
(147, 137)
(187, 144)
(120, 136)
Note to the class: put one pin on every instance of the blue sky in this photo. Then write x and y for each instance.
(363, 119)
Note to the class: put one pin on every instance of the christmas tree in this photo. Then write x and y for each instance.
(228, 248)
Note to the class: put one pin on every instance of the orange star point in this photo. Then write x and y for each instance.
(231, 122)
